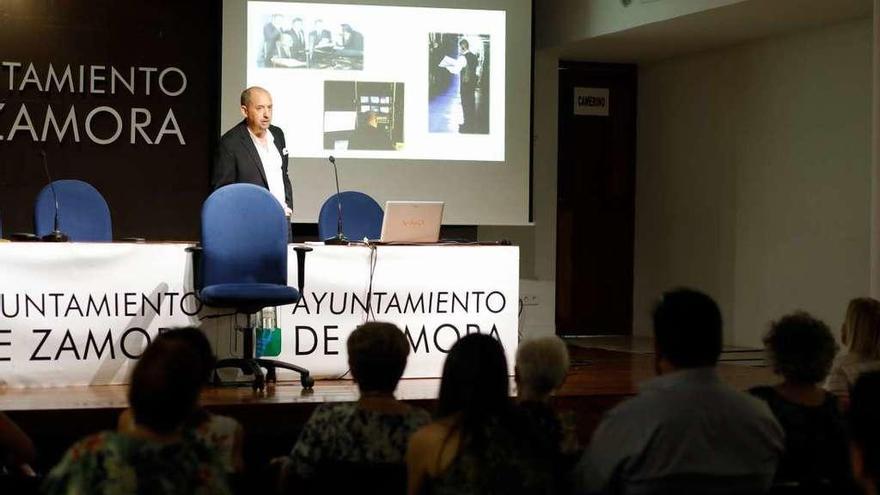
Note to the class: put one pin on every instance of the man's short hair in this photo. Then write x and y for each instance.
(463, 42)
(801, 348)
(377, 354)
(687, 329)
(541, 365)
(247, 94)
(297, 19)
(346, 28)
(864, 421)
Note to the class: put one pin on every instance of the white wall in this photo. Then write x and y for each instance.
(754, 177)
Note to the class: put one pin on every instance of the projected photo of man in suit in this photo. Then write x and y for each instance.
(458, 83)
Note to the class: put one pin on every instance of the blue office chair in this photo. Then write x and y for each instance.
(361, 217)
(243, 265)
(82, 212)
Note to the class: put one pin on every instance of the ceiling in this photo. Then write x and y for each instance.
(715, 28)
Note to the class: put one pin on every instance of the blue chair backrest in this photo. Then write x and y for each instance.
(361, 217)
(82, 212)
(244, 237)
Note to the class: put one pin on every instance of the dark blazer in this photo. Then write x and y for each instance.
(237, 160)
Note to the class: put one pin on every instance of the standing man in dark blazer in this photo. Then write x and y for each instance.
(254, 151)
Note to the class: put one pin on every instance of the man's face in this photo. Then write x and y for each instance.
(319, 26)
(276, 21)
(297, 26)
(258, 111)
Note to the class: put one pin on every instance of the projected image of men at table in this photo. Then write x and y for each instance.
(285, 43)
(458, 83)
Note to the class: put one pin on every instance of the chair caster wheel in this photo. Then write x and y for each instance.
(271, 377)
(307, 381)
(259, 384)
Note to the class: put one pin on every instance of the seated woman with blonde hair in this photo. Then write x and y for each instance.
(860, 334)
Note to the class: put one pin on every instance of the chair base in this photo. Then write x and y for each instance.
(255, 367)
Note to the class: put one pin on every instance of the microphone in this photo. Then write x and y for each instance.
(339, 239)
(56, 235)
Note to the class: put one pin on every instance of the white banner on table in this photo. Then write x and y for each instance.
(436, 294)
(78, 313)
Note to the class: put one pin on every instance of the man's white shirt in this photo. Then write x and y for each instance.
(271, 166)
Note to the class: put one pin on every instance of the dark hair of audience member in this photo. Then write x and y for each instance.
(687, 329)
(864, 420)
(801, 348)
(377, 354)
(165, 385)
(196, 339)
(475, 385)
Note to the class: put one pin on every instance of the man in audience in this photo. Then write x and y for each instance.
(864, 418)
(686, 431)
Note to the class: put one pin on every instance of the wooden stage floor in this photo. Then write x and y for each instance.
(599, 379)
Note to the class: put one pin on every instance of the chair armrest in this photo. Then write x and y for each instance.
(301, 266)
(196, 252)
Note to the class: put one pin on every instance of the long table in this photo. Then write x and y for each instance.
(81, 313)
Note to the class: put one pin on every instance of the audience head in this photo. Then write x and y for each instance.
(865, 428)
(165, 384)
(861, 329)
(377, 354)
(198, 342)
(541, 366)
(687, 329)
(297, 24)
(801, 348)
(463, 43)
(475, 381)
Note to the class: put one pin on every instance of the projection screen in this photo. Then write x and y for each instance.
(416, 99)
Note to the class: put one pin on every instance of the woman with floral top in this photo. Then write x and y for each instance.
(158, 454)
(375, 430)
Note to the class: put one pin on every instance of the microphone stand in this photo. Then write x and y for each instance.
(339, 239)
(56, 235)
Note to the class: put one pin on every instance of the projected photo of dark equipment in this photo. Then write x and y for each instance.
(458, 83)
(363, 115)
(297, 42)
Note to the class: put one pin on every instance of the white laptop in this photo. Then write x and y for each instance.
(412, 221)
